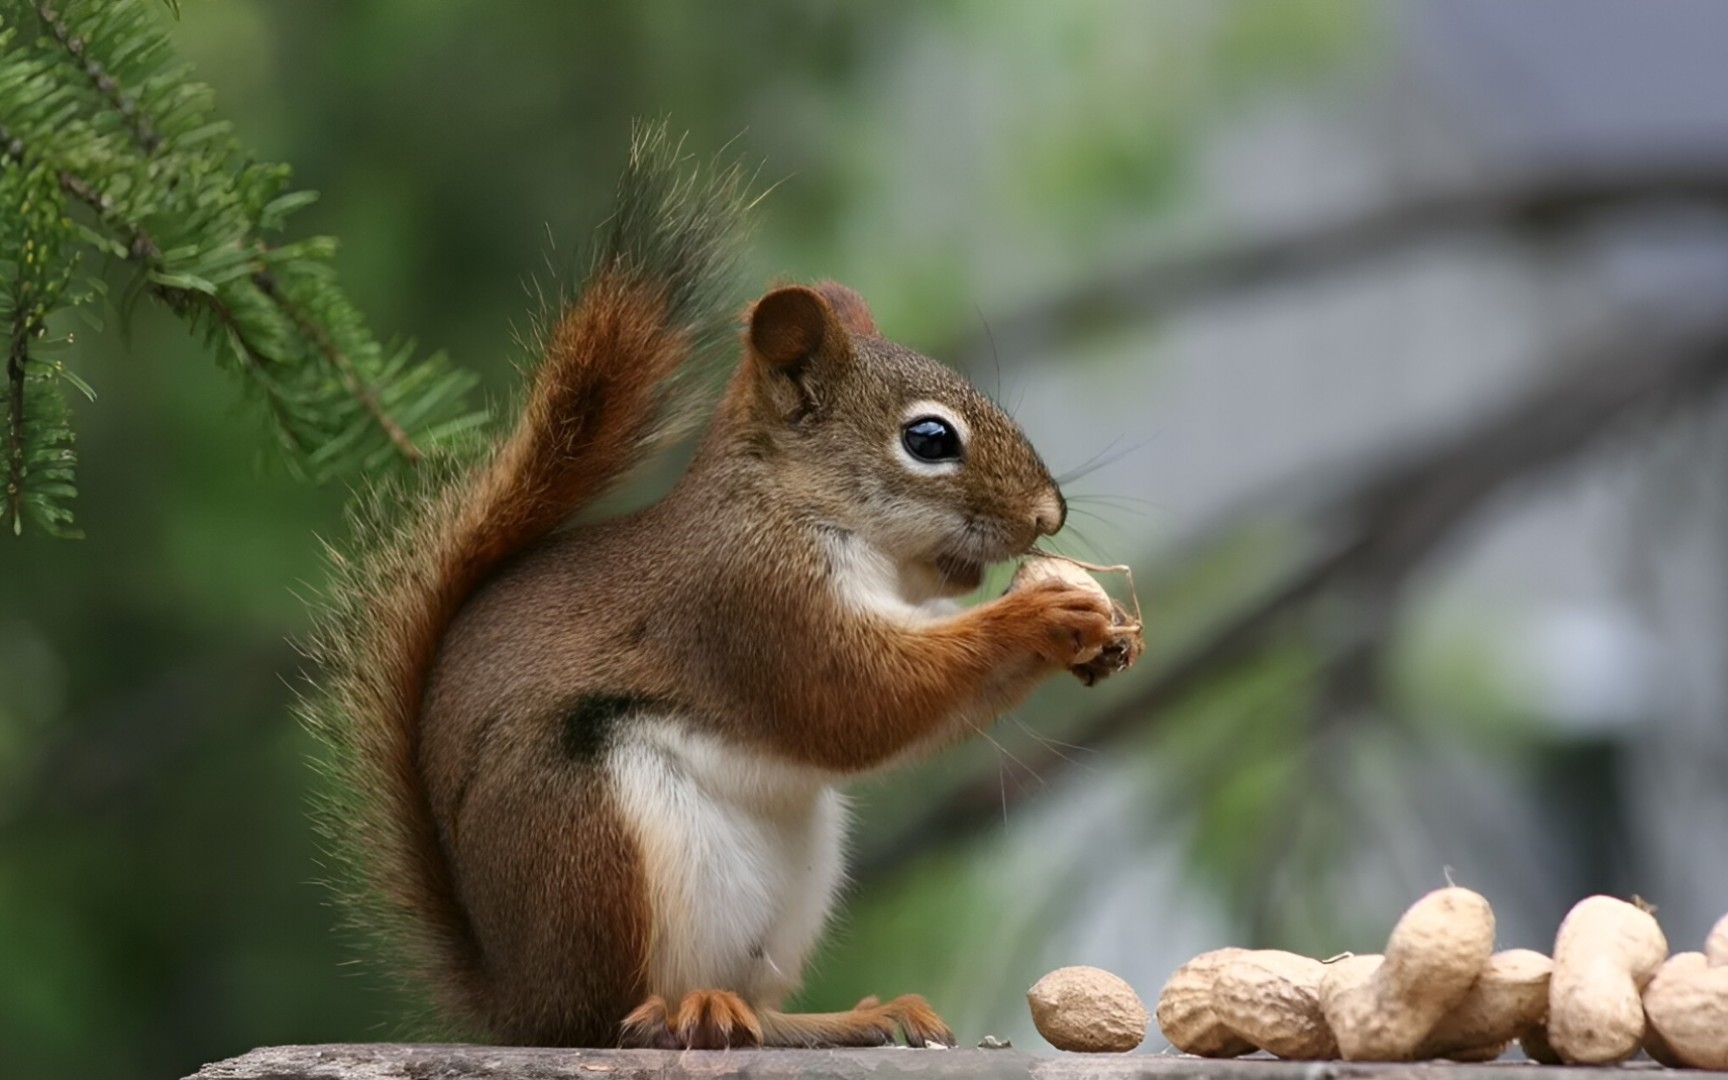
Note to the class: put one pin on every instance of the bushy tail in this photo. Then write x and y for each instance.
(607, 391)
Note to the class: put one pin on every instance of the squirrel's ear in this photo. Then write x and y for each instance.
(849, 308)
(803, 348)
(789, 326)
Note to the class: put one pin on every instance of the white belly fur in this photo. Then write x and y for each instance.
(743, 859)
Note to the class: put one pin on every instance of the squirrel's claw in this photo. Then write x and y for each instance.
(706, 1020)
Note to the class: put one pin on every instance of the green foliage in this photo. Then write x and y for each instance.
(38, 265)
(107, 146)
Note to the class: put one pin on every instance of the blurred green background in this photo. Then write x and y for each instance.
(1541, 692)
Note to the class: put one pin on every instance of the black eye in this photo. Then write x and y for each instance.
(931, 439)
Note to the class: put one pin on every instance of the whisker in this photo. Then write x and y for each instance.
(1120, 538)
(1011, 756)
(1081, 540)
(995, 357)
(1054, 745)
(1131, 503)
(1050, 740)
(1094, 515)
(1088, 463)
(1108, 521)
(1104, 458)
(1001, 772)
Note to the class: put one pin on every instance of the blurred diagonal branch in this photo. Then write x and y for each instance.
(1371, 536)
(1536, 202)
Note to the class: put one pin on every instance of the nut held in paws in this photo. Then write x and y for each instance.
(1088, 1010)
(1126, 642)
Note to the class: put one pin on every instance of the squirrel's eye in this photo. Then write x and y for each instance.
(931, 439)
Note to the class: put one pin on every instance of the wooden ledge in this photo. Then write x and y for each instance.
(403, 1061)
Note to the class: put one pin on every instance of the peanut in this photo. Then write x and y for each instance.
(1124, 646)
(1687, 1006)
(1185, 1013)
(1604, 955)
(1087, 1009)
(1432, 958)
(1509, 996)
(1346, 974)
(1272, 999)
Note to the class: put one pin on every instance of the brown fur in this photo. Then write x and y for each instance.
(717, 599)
(848, 307)
(580, 427)
(484, 662)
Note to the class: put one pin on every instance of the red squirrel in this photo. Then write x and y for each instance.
(589, 775)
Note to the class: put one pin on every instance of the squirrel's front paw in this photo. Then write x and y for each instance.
(1073, 625)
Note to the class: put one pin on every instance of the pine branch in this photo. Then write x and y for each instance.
(141, 249)
(37, 268)
(140, 172)
(17, 354)
(181, 300)
(143, 131)
(363, 393)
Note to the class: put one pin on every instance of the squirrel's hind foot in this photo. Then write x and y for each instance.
(869, 1023)
(705, 1020)
(721, 1020)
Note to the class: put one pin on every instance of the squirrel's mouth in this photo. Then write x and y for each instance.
(961, 565)
(958, 574)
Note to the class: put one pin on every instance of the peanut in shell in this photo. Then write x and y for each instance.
(1716, 945)
(1272, 999)
(1185, 1013)
(1509, 996)
(1126, 642)
(1687, 1007)
(1087, 1009)
(1432, 959)
(1606, 952)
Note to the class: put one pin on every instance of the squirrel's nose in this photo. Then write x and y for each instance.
(1050, 513)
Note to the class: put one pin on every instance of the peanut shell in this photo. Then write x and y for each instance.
(1185, 1013)
(1687, 1005)
(1087, 1009)
(1510, 995)
(1716, 945)
(1124, 646)
(1272, 999)
(1604, 955)
(1657, 1047)
(1348, 972)
(1432, 958)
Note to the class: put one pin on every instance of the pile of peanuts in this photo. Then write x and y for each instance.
(1441, 991)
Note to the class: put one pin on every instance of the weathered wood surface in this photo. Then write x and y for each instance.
(399, 1061)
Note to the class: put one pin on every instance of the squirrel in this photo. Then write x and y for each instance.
(589, 774)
